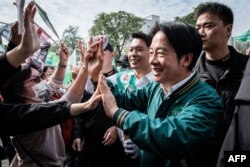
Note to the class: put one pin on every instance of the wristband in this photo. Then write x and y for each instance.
(62, 65)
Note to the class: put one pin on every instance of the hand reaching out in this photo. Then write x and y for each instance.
(108, 100)
(110, 136)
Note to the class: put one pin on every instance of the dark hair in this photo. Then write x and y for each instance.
(222, 11)
(182, 37)
(14, 89)
(145, 37)
(45, 68)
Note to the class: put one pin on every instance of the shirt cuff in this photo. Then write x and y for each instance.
(119, 117)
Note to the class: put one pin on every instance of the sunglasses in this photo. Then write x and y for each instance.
(36, 79)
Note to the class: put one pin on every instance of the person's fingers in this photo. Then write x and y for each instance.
(106, 138)
(97, 99)
(94, 46)
(26, 18)
(100, 47)
(74, 146)
(39, 31)
(104, 88)
(78, 145)
(30, 5)
(105, 134)
(33, 13)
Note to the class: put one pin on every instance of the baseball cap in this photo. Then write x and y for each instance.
(109, 47)
(123, 60)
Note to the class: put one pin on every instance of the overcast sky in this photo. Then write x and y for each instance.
(63, 13)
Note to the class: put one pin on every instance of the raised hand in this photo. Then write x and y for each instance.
(30, 41)
(82, 50)
(94, 57)
(30, 38)
(108, 100)
(64, 54)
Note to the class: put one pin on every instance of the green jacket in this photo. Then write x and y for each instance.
(175, 131)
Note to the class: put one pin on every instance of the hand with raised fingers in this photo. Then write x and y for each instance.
(31, 35)
(30, 41)
(94, 57)
(64, 54)
(108, 99)
(82, 50)
(94, 101)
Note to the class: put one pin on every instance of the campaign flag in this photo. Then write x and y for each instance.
(39, 57)
(52, 59)
(243, 37)
(44, 35)
(5, 31)
(45, 18)
(72, 59)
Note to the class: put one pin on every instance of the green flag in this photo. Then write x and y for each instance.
(244, 37)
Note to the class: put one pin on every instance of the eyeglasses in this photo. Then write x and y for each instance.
(36, 79)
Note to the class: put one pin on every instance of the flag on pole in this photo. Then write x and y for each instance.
(45, 18)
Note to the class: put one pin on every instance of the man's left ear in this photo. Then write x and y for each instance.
(229, 30)
(187, 59)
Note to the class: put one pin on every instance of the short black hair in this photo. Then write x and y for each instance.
(221, 10)
(45, 68)
(183, 37)
(145, 37)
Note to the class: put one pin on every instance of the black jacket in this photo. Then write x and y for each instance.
(228, 84)
(238, 135)
(16, 119)
(92, 126)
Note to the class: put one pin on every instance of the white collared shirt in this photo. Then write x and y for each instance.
(176, 86)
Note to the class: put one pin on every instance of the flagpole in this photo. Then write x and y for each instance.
(47, 34)
(3, 22)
